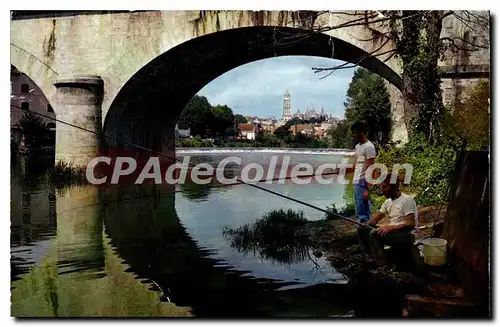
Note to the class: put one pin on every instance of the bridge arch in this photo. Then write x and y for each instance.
(149, 103)
(27, 97)
(119, 51)
(40, 72)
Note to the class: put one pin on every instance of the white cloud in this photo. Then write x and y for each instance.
(257, 88)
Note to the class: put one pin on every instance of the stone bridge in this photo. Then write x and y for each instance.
(130, 74)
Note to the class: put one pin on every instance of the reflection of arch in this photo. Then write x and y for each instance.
(162, 88)
(148, 235)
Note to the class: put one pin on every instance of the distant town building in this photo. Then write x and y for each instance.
(279, 124)
(182, 133)
(309, 113)
(248, 131)
(319, 131)
(27, 96)
(287, 106)
(306, 129)
(298, 114)
(268, 125)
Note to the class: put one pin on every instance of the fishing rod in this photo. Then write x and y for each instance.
(209, 187)
(190, 166)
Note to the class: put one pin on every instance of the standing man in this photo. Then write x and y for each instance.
(365, 157)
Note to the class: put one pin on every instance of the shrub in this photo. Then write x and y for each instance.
(433, 167)
(348, 210)
(64, 173)
(196, 142)
(35, 132)
(470, 120)
(279, 235)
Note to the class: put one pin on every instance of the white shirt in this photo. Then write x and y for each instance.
(364, 151)
(396, 210)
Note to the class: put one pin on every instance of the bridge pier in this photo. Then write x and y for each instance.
(78, 101)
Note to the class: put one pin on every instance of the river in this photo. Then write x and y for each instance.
(160, 250)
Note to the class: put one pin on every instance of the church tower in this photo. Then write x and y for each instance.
(287, 107)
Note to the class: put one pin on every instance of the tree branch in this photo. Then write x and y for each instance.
(463, 41)
(354, 64)
(297, 37)
(478, 20)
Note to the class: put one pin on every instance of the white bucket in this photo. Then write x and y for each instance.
(434, 251)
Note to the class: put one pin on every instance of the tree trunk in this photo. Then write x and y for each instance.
(408, 48)
(420, 48)
(434, 109)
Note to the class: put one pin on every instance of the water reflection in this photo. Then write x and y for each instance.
(125, 250)
(201, 192)
(280, 236)
(63, 264)
(43, 292)
(151, 239)
(33, 223)
(196, 192)
(79, 234)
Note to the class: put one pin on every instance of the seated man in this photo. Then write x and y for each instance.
(401, 211)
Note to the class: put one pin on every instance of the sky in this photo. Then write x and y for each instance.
(258, 88)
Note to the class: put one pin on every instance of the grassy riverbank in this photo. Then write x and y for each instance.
(383, 288)
(372, 290)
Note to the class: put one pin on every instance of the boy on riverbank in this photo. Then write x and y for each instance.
(365, 157)
(401, 211)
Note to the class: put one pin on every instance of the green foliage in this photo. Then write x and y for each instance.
(14, 145)
(35, 132)
(368, 101)
(195, 191)
(231, 131)
(376, 201)
(195, 143)
(268, 140)
(64, 173)
(236, 144)
(240, 119)
(340, 136)
(347, 210)
(279, 235)
(206, 120)
(470, 121)
(433, 167)
(283, 138)
(301, 140)
(314, 142)
(223, 122)
(419, 47)
(197, 116)
(284, 133)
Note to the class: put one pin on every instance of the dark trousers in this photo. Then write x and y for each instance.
(373, 243)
